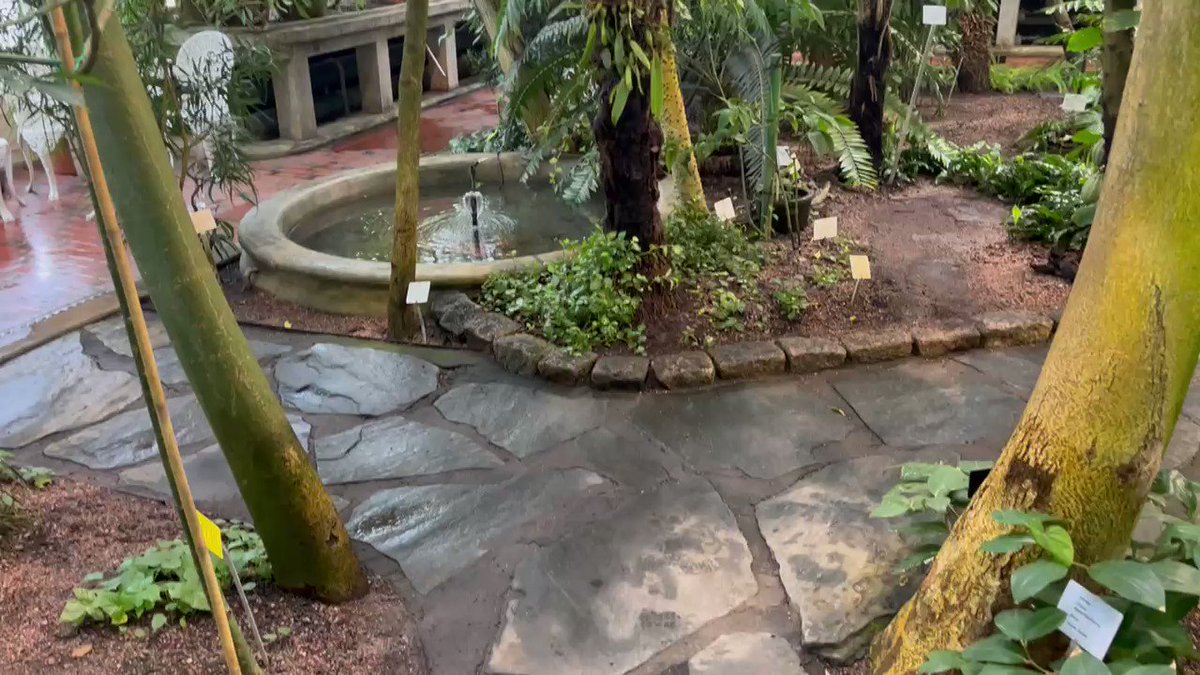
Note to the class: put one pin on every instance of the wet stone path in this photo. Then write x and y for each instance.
(540, 530)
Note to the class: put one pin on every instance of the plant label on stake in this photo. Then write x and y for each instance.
(860, 268)
(724, 209)
(203, 221)
(933, 15)
(1091, 622)
(418, 294)
(211, 535)
(825, 228)
(212, 541)
(783, 156)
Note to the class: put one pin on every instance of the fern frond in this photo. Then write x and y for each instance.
(831, 80)
(858, 170)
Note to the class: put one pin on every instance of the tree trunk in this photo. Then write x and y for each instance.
(688, 187)
(306, 542)
(1093, 434)
(1115, 56)
(630, 147)
(489, 15)
(975, 69)
(869, 89)
(404, 321)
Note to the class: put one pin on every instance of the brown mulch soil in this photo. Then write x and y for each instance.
(75, 528)
(937, 252)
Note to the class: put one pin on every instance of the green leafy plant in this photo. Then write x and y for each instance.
(727, 311)
(589, 300)
(163, 580)
(792, 302)
(931, 497)
(28, 477)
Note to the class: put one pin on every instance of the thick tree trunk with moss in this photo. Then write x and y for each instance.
(630, 147)
(404, 321)
(1096, 426)
(975, 55)
(688, 187)
(1115, 56)
(305, 540)
(869, 88)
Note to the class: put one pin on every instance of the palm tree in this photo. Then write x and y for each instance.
(869, 89)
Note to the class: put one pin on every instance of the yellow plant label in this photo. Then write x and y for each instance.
(825, 228)
(860, 267)
(211, 535)
(724, 209)
(203, 221)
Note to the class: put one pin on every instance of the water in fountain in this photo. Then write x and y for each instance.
(473, 229)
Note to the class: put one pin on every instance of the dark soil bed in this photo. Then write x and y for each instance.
(75, 528)
(937, 252)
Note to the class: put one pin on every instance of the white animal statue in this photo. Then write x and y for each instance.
(204, 66)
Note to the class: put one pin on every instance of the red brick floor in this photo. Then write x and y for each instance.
(51, 258)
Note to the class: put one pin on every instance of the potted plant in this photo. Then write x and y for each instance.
(792, 203)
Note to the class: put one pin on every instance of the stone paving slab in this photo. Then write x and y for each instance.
(919, 403)
(436, 531)
(523, 419)
(208, 473)
(128, 438)
(332, 378)
(57, 387)
(614, 594)
(396, 448)
(111, 332)
(764, 431)
(835, 560)
(746, 654)
(170, 370)
(1018, 367)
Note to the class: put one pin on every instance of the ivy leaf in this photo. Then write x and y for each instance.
(1007, 543)
(158, 621)
(946, 479)
(1084, 663)
(656, 87)
(1057, 542)
(1029, 519)
(942, 661)
(1131, 580)
(1085, 39)
(995, 649)
(893, 505)
(1026, 626)
(1177, 577)
(1030, 579)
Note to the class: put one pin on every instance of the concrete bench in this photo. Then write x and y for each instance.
(367, 32)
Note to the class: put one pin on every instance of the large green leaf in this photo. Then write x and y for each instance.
(1057, 542)
(995, 649)
(1030, 579)
(1028, 519)
(1007, 543)
(1122, 19)
(1026, 626)
(1177, 577)
(656, 87)
(942, 661)
(1084, 663)
(1085, 39)
(1134, 581)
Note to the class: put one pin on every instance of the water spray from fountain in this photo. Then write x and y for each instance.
(471, 201)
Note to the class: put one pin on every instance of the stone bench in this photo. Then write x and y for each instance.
(367, 32)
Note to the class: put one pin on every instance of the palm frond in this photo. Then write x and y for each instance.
(833, 80)
(858, 169)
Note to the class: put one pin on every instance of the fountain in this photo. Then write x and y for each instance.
(327, 244)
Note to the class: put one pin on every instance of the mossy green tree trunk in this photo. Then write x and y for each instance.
(1115, 56)
(869, 88)
(689, 189)
(1093, 434)
(403, 319)
(305, 540)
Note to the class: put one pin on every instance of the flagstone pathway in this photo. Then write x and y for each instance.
(541, 530)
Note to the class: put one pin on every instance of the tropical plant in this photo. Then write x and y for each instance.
(29, 477)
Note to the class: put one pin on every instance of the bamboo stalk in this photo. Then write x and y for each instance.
(126, 287)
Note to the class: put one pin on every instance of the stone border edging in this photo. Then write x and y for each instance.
(526, 354)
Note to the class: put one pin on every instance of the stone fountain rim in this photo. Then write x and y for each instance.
(268, 251)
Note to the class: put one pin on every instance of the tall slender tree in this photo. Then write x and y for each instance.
(1093, 434)
(688, 187)
(305, 540)
(1115, 56)
(404, 321)
(869, 89)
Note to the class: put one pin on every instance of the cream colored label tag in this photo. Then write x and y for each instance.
(1075, 103)
(418, 293)
(783, 156)
(724, 209)
(860, 267)
(203, 221)
(825, 228)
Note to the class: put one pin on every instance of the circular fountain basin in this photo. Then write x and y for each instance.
(325, 244)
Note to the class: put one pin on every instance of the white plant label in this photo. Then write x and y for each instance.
(1075, 103)
(933, 15)
(1091, 622)
(860, 267)
(783, 156)
(203, 221)
(825, 228)
(724, 209)
(418, 293)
